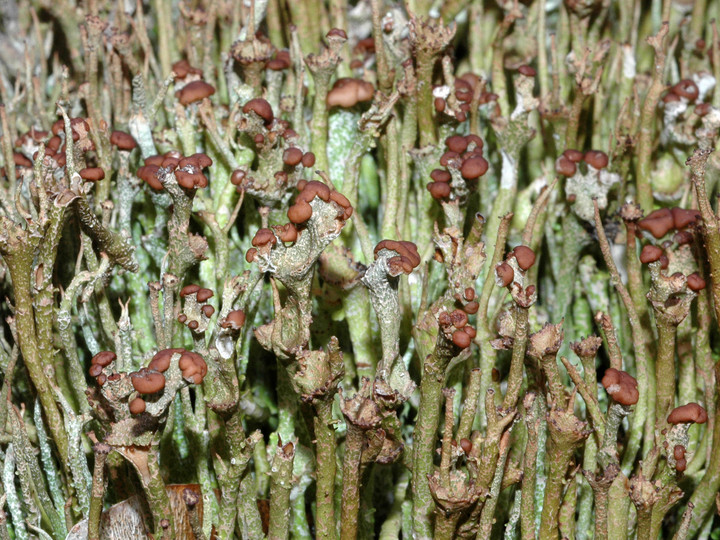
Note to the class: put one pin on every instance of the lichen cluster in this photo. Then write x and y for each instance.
(368, 269)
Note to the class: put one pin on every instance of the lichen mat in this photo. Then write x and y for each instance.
(359, 269)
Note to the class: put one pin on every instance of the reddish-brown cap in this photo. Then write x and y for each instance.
(407, 259)
(471, 307)
(686, 88)
(92, 174)
(348, 92)
(679, 451)
(313, 189)
(596, 158)
(473, 167)
(288, 232)
(234, 320)
(190, 180)
(461, 339)
(103, 358)
(476, 140)
(260, 107)
(263, 237)
(193, 367)
(57, 126)
(299, 212)
(684, 218)
(466, 446)
(170, 161)
(147, 381)
(137, 406)
(124, 141)
(565, 166)
(527, 71)
(189, 289)
(36, 135)
(343, 201)
(194, 91)
(54, 143)
(456, 143)
(447, 157)
(237, 177)
(336, 33)
(365, 46)
(505, 274)
(688, 414)
(458, 318)
(703, 108)
(95, 370)
(650, 253)
(683, 237)
(658, 223)
(161, 361)
(308, 159)
(198, 160)
(621, 386)
(182, 69)
(21, 161)
(463, 90)
(149, 175)
(439, 190)
(695, 282)
(471, 78)
(203, 295)
(525, 256)
(399, 265)
(207, 310)
(576, 156)
(280, 61)
(155, 161)
(440, 175)
(292, 156)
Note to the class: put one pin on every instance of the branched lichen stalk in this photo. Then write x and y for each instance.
(98, 491)
(351, 483)
(647, 121)
(15, 247)
(280, 486)
(326, 447)
(665, 368)
(566, 434)
(642, 414)
(527, 500)
(426, 426)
